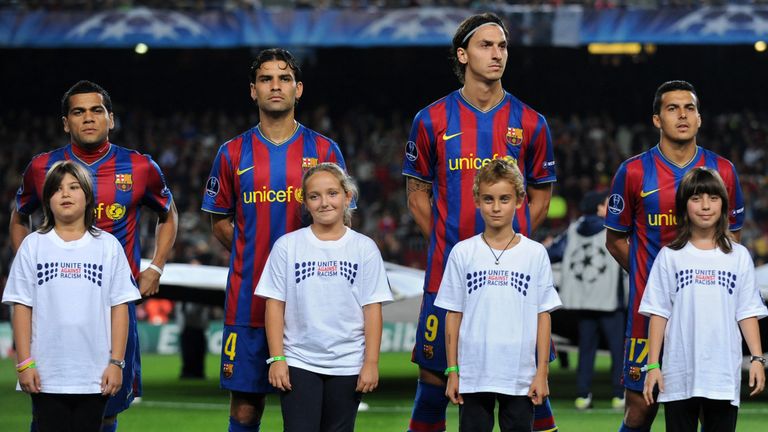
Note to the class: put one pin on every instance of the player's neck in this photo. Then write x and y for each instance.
(679, 153)
(90, 154)
(277, 129)
(328, 232)
(70, 231)
(500, 238)
(482, 95)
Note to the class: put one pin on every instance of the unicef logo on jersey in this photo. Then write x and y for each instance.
(411, 151)
(616, 204)
(212, 186)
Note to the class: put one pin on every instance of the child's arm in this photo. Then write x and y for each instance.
(539, 389)
(751, 331)
(275, 324)
(29, 379)
(368, 379)
(112, 378)
(653, 376)
(452, 326)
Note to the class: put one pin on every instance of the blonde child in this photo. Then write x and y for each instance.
(700, 291)
(324, 286)
(69, 285)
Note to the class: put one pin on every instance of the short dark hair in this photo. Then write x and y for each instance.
(272, 54)
(53, 179)
(672, 86)
(468, 25)
(81, 87)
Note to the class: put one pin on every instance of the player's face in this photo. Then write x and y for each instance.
(276, 89)
(325, 199)
(88, 122)
(679, 119)
(704, 211)
(485, 55)
(497, 203)
(68, 202)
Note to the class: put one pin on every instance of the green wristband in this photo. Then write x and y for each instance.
(652, 366)
(451, 369)
(275, 358)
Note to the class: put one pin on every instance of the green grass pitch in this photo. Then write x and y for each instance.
(170, 404)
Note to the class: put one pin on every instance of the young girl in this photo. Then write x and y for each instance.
(324, 286)
(498, 291)
(69, 285)
(701, 289)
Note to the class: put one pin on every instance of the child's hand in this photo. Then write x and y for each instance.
(539, 389)
(452, 389)
(29, 381)
(278, 375)
(756, 377)
(652, 379)
(111, 380)
(368, 379)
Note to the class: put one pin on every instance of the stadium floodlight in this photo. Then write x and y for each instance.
(629, 48)
(141, 48)
(760, 46)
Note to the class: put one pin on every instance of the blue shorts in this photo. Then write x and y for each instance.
(244, 354)
(429, 350)
(635, 358)
(131, 373)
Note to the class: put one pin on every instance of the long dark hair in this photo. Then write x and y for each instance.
(701, 180)
(52, 182)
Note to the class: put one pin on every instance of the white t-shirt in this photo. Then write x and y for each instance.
(71, 287)
(325, 285)
(500, 306)
(703, 294)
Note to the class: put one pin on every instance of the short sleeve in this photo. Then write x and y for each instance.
(22, 277)
(620, 212)
(657, 299)
(157, 195)
(123, 287)
(274, 279)
(540, 155)
(219, 195)
(749, 302)
(548, 298)
(374, 284)
(450, 296)
(27, 196)
(736, 200)
(418, 158)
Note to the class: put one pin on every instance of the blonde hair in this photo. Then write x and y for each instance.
(53, 179)
(498, 170)
(347, 184)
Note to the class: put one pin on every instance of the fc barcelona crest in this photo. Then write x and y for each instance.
(124, 182)
(514, 136)
(634, 373)
(228, 369)
(429, 351)
(307, 162)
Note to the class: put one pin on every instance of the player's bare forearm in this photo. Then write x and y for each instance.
(18, 228)
(165, 235)
(539, 196)
(22, 331)
(618, 245)
(420, 204)
(119, 315)
(223, 230)
(372, 327)
(543, 337)
(275, 324)
(736, 236)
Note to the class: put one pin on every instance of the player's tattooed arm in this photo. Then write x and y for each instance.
(223, 229)
(420, 204)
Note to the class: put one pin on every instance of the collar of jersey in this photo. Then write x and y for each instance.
(95, 163)
(278, 144)
(479, 111)
(673, 165)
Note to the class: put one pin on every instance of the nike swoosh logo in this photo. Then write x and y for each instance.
(446, 137)
(644, 194)
(241, 172)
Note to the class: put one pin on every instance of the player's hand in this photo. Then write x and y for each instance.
(278, 376)
(29, 381)
(149, 282)
(652, 379)
(756, 377)
(111, 380)
(539, 389)
(452, 389)
(368, 379)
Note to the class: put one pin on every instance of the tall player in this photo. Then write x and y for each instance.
(451, 139)
(254, 196)
(641, 220)
(123, 181)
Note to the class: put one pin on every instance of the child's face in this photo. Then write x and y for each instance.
(68, 202)
(325, 199)
(497, 203)
(704, 210)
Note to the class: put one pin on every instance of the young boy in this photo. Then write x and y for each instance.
(498, 292)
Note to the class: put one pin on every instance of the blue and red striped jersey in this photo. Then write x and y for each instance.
(258, 182)
(642, 203)
(449, 141)
(123, 181)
